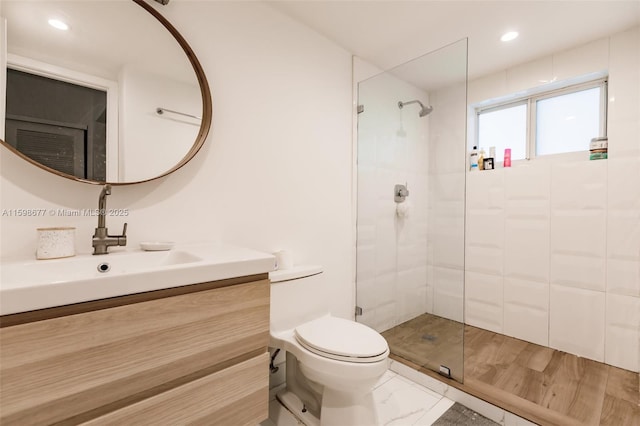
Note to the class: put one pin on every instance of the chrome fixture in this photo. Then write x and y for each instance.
(161, 111)
(424, 110)
(101, 239)
(400, 193)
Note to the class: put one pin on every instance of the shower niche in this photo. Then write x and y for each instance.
(410, 250)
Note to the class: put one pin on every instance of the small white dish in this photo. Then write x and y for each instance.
(156, 245)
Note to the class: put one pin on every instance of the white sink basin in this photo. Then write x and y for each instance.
(37, 284)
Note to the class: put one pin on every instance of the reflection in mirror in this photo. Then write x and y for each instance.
(116, 97)
(58, 124)
(410, 249)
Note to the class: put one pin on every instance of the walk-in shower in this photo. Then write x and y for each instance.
(424, 110)
(410, 267)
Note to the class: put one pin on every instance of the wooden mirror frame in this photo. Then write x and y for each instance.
(207, 109)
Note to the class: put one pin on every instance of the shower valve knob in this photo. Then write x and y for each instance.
(400, 193)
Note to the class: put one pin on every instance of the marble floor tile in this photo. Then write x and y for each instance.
(402, 402)
(435, 413)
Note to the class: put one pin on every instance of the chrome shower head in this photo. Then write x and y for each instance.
(424, 110)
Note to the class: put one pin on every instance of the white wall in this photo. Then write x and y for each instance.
(150, 144)
(276, 169)
(553, 245)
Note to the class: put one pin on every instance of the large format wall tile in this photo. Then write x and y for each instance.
(623, 227)
(448, 289)
(525, 76)
(624, 95)
(569, 248)
(526, 310)
(577, 321)
(485, 222)
(622, 331)
(578, 224)
(579, 185)
(527, 249)
(484, 301)
(585, 59)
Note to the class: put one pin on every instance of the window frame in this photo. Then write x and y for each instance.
(530, 99)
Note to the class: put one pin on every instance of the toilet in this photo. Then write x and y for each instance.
(332, 363)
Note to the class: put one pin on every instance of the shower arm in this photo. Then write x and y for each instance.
(402, 104)
(424, 111)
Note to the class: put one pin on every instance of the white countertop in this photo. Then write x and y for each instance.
(28, 284)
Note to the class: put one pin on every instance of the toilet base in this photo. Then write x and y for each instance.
(296, 407)
(338, 409)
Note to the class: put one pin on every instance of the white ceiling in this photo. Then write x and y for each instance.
(390, 32)
(93, 45)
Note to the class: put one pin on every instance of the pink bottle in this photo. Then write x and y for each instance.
(507, 157)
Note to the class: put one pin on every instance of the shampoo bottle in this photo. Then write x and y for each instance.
(507, 157)
(481, 159)
(473, 159)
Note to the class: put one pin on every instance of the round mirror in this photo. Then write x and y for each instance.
(101, 91)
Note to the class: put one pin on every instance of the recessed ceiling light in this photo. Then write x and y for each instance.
(56, 23)
(511, 35)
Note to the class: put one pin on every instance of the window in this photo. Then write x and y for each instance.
(553, 122)
(504, 127)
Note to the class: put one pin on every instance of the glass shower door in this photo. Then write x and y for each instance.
(410, 208)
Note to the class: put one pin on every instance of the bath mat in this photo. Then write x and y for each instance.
(460, 415)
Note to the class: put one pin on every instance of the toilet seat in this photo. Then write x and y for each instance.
(342, 340)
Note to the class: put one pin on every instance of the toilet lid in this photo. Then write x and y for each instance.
(342, 339)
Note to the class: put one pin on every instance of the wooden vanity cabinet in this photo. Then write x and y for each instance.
(188, 355)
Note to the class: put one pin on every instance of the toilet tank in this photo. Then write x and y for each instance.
(298, 295)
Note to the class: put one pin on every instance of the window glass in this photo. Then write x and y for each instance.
(504, 128)
(566, 123)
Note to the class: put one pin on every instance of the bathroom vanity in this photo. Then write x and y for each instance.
(191, 353)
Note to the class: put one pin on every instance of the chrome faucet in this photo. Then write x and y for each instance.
(101, 239)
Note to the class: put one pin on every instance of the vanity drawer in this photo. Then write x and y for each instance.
(238, 395)
(81, 366)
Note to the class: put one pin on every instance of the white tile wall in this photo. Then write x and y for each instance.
(577, 321)
(578, 224)
(589, 58)
(485, 222)
(624, 94)
(569, 263)
(488, 87)
(448, 293)
(552, 250)
(527, 204)
(526, 310)
(446, 204)
(484, 257)
(526, 76)
(392, 252)
(623, 227)
(526, 253)
(622, 329)
(484, 300)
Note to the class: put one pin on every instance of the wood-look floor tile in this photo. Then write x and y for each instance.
(535, 357)
(429, 341)
(624, 384)
(576, 387)
(549, 386)
(619, 412)
(523, 382)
